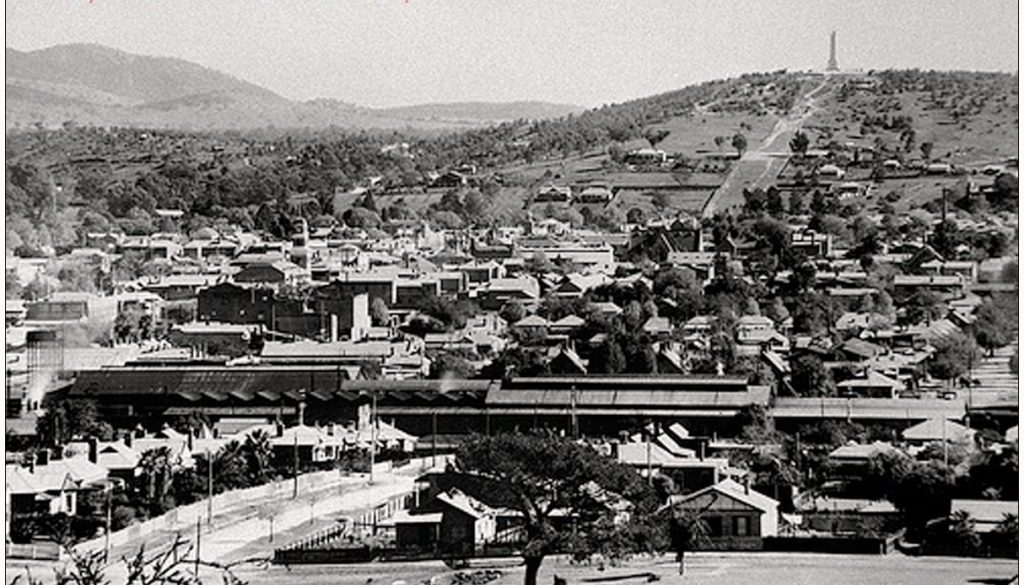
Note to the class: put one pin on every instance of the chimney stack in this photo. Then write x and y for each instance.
(279, 429)
(94, 450)
(32, 463)
(129, 438)
(44, 457)
(746, 484)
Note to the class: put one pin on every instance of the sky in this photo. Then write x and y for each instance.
(396, 52)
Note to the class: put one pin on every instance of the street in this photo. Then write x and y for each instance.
(701, 568)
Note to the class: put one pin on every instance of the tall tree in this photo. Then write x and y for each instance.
(544, 475)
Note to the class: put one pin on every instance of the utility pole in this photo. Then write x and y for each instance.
(295, 465)
(199, 541)
(945, 444)
(574, 422)
(373, 433)
(209, 488)
(433, 439)
(106, 533)
(650, 476)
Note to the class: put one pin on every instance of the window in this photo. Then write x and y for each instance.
(714, 525)
(741, 526)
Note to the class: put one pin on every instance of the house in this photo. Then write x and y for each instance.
(566, 325)
(453, 523)
(871, 385)
(938, 430)
(553, 194)
(658, 327)
(736, 516)
(849, 461)
(281, 272)
(116, 457)
(532, 325)
(501, 290)
(567, 363)
(699, 325)
(831, 171)
(595, 194)
(646, 156)
(450, 179)
(576, 285)
(308, 444)
(755, 330)
(988, 515)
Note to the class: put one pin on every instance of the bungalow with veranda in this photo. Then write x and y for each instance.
(735, 516)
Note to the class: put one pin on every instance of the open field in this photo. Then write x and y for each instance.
(702, 568)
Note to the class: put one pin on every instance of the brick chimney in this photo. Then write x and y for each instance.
(43, 457)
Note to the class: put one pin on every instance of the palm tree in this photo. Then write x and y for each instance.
(156, 473)
(257, 451)
(963, 532)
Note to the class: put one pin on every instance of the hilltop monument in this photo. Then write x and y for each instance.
(833, 64)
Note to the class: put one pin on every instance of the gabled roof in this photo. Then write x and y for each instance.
(465, 503)
(856, 451)
(569, 321)
(532, 321)
(873, 379)
(734, 490)
(932, 430)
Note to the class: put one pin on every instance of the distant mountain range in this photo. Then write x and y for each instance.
(97, 85)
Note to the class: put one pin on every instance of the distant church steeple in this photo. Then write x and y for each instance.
(833, 64)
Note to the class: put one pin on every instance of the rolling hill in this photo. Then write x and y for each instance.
(96, 85)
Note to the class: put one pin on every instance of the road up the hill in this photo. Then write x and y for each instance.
(759, 165)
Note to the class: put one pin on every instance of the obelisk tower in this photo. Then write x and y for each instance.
(833, 64)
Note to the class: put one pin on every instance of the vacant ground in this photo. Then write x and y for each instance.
(702, 568)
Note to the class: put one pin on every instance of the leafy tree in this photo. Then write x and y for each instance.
(926, 150)
(923, 493)
(992, 327)
(797, 206)
(739, 142)
(800, 143)
(512, 312)
(448, 364)
(954, 355)
(810, 377)
(541, 474)
(70, 419)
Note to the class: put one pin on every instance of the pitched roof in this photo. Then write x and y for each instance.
(532, 321)
(465, 503)
(987, 514)
(873, 379)
(936, 429)
(734, 490)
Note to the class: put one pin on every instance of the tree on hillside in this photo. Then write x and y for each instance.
(544, 475)
(800, 143)
(654, 137)
(926, 150)
(992, 328)
(810, 377)
(954, 355)
(739, 142)
(512, 311)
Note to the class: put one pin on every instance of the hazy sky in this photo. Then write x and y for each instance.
(392, 52)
